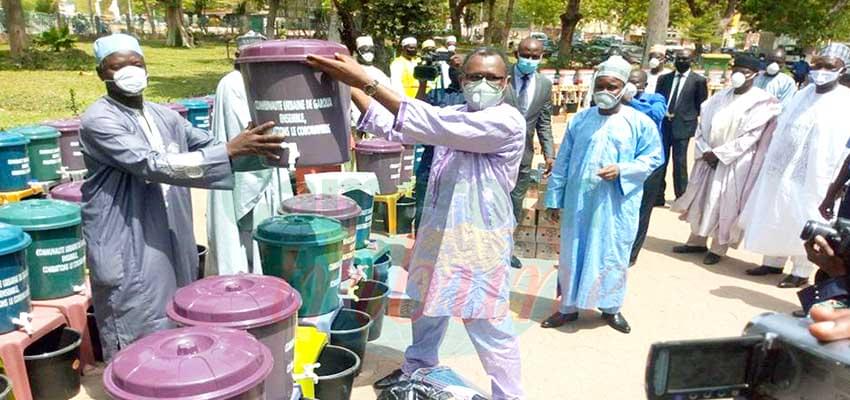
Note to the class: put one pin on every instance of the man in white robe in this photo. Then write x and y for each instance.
(233, 215)
(731, 141)
(804, 155)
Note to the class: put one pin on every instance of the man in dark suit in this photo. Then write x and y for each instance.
(685, 92)
(531, 93)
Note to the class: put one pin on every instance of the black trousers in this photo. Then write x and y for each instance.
(678, 150)
(523, 182)
(651, 188)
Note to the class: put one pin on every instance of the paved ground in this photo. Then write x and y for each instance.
(669, 297)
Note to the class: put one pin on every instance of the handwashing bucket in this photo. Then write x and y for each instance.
(308, 107)
(306, 251)
(14, 162)
(198, 113)
(44, 153)
(14, 281)
(336, 374)
(358, 186)
(57, 256)
(264, 306)
(71, 192)
(69, 143)
(191, 364)
(373, 297)
(383, 158)
(53, 365)
(178, 108)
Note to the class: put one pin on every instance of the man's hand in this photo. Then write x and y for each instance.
(830, 324)
(827, 206)
(710, 158)
(550, 163)
(553, 215)
(609, 173)
(256, 141)
(342, 68)
(821, 254)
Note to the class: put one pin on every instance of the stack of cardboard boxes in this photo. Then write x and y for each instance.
(536, 236)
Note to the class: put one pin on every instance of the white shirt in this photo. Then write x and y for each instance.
(529, 90)
(675, 81)
(652, 79)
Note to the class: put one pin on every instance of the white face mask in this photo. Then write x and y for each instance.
(451, 48)
(368, 57)
(823, 77)
(738, 80)
(654, 63)
(482, 94)
(772, 69)
(606, 100)
(131, 80)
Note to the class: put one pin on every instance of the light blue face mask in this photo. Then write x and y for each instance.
(527, 66)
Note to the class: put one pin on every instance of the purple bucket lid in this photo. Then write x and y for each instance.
(188, 363)
(66, 125)
(241, 301)
(176, 107)
(288, 50)
(70, 191)
(329, 205)
(378, 145)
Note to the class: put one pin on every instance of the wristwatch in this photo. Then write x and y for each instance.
(371, 88)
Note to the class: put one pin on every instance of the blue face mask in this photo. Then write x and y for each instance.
(527, 66)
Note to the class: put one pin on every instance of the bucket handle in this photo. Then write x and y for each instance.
(309, 373)
(24, 320)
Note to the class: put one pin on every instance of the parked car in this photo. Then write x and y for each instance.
(549, 47)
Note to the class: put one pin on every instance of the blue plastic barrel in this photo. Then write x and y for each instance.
(14, 162)
(199, 113)
(14, 279)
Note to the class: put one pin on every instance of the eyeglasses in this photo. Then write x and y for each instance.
(479, 77)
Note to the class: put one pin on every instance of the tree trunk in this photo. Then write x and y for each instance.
(656, 26)
(15, 27)
(348, 30)
(177, 35)
(91, 17)
(149, 13)
(490, 33)
(271, 29)
(508, 22)
(456, 16)
(569, 20)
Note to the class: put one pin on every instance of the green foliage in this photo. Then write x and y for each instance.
(393, 19)
(56, 39)
(812, 22)
(72, 102)
(624, 14)
(45, 6)
(35, 59)
(540, 12)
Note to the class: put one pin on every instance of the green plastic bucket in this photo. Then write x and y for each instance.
(306, 251)
(57, 256)
(43, 150)
(14, 162)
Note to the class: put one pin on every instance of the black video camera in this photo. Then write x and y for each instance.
(776, 358)
(428, 70)
(837, 235)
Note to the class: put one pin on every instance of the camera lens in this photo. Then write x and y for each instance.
(814, 228)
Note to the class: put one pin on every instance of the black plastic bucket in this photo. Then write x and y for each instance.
(405, 214)
(336, 373)
(374, 297)
(202, 259)
(94, 333)
(381, 269)
(53, 365)
(350, 329)
(5, 388)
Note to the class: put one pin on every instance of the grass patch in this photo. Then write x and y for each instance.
(29, 96)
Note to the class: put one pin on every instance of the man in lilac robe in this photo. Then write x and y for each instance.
(461, 259)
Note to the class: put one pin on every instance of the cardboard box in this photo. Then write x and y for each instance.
(525, 249)
(548, 235)
(547, 251)
(528, 217)
(525, 234)
(544, 222)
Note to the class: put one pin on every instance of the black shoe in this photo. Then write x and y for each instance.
(632, 263)
(390, 380)
(558, 319)
(799, 314)
(711, 259)
(792, 281)
(764, 270)
(617, 321)
(516, 263)
(659, 203)
(688, 249)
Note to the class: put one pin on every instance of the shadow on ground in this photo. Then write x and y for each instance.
(754, 298)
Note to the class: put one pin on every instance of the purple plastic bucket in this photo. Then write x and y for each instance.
(190, 363)
(307, 106)
(383, 158)
(70, 191)
(265, 306)
(340, 207)
(179, 108)
(69, 143)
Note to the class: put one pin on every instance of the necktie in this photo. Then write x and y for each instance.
(523, 92)
(674, 97)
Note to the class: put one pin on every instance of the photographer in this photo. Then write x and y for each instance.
(829, 324)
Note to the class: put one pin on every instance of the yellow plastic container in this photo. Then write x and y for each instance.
(309, 342)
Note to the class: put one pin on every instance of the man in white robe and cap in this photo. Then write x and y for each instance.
(137, 212)
(232, 215)
(806, 152)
